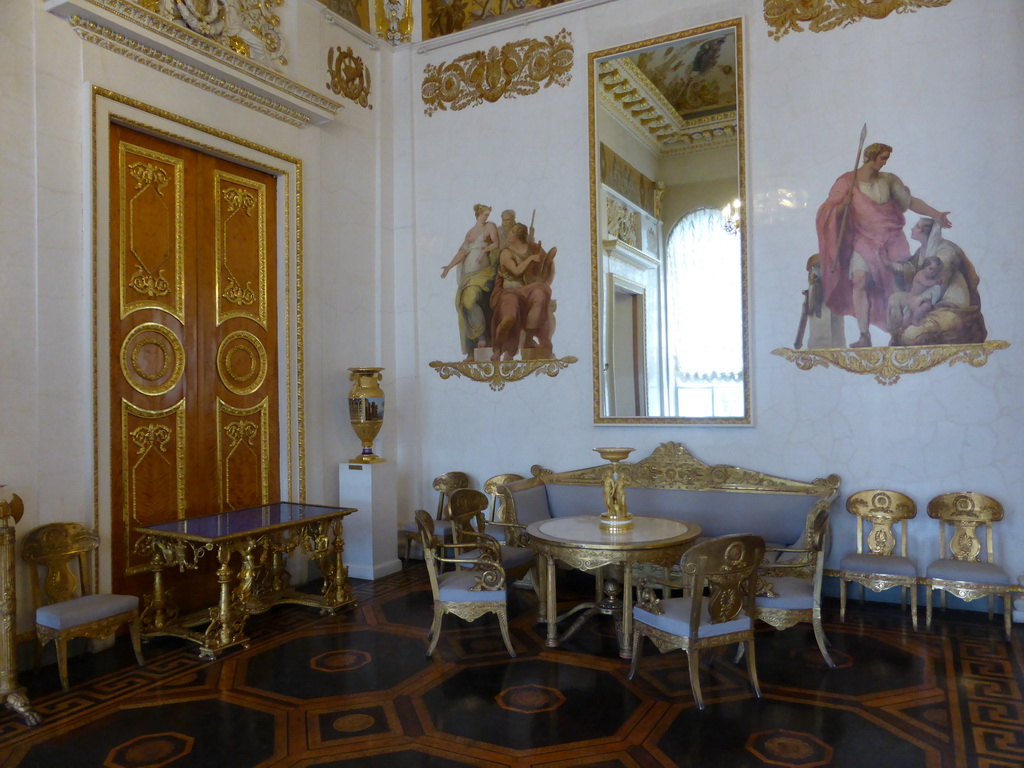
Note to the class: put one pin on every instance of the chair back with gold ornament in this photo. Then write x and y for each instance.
(880, 561)
(966, 566)
(466, 510)
(445, 485)
(67, 605)
(719, 610)
(501, 515)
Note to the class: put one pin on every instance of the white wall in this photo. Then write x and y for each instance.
(949, 113)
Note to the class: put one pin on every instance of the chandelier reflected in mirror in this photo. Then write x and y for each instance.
(731, 216)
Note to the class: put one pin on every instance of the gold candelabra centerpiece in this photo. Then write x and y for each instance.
(366, 410)
(616, 516)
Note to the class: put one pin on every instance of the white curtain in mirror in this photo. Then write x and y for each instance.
(704, 316)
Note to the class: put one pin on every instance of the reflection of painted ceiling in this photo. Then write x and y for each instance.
(677, 98)
(355, 11)
(443, 17)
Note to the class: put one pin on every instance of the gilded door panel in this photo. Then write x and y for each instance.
(238, 265)
(153, 465)
(241, 226)
(151, 226)
(243, 454)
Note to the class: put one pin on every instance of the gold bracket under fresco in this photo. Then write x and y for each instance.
(497, 374)
(518, 68)
(785, 16)
(887, 364)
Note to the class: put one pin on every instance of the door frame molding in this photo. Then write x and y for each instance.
(108, 106)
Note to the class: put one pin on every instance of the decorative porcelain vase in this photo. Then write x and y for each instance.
(616, 516)
(366, 410)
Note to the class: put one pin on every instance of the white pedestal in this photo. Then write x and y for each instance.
(370, 551)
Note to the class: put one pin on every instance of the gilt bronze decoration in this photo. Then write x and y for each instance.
(498, 373)
(349, 76)
(887, 364)
(262, 538)
(516, 69)
(785, 16)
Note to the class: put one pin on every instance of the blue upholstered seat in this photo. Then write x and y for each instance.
(84, 610)
(66, 602)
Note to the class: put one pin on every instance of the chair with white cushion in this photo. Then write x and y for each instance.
(719, 610)
(960, 569)
(877, 565)
(466, 592)
(66, 603)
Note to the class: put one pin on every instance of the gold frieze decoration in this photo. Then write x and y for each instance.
(498, 373)
(349, 76)
(887, 364)
(516, 69)
(785, 16)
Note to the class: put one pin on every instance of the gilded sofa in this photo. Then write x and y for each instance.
(671, 483)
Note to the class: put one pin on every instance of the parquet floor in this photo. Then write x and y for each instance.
(358, 690)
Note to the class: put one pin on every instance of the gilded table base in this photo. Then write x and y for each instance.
(259, 582)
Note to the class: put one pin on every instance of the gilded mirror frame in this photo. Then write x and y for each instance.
(603, 242)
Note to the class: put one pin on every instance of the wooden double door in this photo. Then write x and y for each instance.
(193, 340)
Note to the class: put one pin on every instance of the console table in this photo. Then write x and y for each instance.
(261, 537)
(579, 543)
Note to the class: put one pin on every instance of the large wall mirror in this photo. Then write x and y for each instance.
(671, 343)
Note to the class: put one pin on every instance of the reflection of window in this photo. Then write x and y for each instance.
(704, 312)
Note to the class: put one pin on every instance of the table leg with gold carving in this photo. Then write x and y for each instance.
(11, 694)
(337, 587)
(626, 622)
(227, 620)
(552, 607)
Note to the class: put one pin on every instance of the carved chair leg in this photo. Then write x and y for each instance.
(692, 655)
(134, 631)
(435, 630)
(842, 599)
(928, 607)
(752, 666)
(62, 662)
(913, 605)
(503, 624)
(819, 635)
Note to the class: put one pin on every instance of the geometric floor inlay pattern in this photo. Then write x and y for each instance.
(357, 690)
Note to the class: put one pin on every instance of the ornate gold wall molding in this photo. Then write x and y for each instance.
(887, 364)
(497, 374)
(785, 16)
(516, 69)
(172, 48)
(349, 76)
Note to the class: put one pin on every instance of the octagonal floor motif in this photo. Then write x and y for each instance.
(357, 690)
